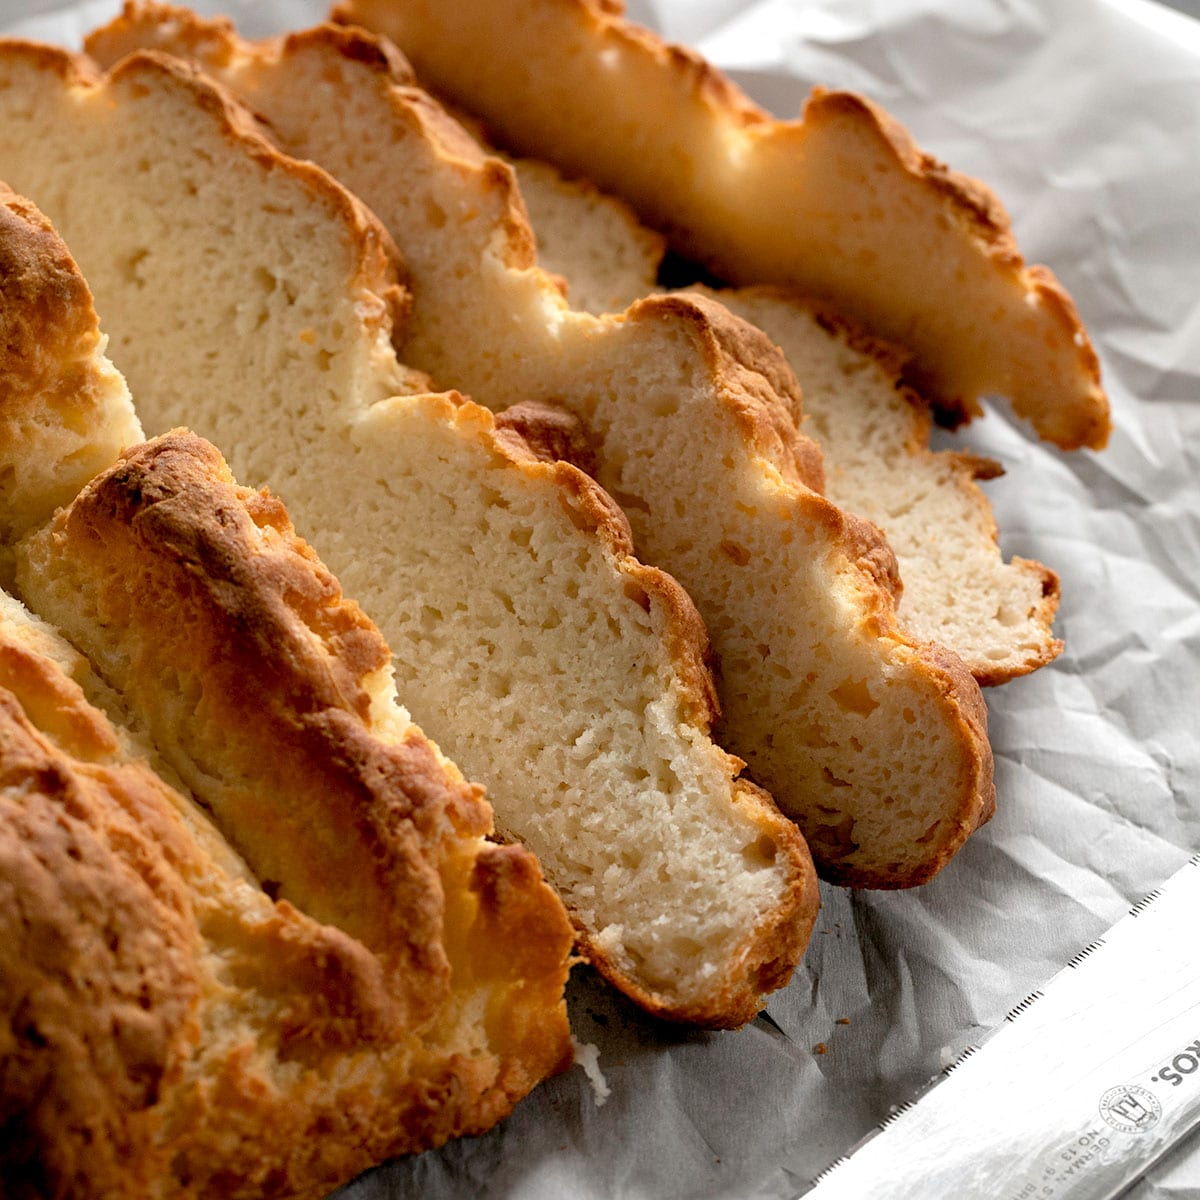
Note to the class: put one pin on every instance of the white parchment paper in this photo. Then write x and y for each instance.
(1084, 115)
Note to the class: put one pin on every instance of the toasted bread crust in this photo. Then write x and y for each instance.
(257, 617)
(87, 1051)
(64, 412)
(46, 314)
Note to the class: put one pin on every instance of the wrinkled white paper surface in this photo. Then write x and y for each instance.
(1084, 115)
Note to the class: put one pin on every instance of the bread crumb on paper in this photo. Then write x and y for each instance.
(587, 1056)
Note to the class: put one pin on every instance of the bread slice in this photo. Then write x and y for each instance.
(874, 743)
(872, 428)
(250, 296)
(996, 615)
(840, 204)
(64, 410)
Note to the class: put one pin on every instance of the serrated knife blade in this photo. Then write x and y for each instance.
(1087, 1081)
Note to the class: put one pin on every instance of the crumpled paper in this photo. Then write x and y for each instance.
(1084, 115)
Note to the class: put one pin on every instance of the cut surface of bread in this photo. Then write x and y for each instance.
(65, 412)
(249, 296)
(874, 436)
(875, 744)
(840, 204)
(328, 966)
(616, 260)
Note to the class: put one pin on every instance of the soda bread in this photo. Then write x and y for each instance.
(997, 616)
(251, 297)
(874, 743)
(340, 968)
(840, 204)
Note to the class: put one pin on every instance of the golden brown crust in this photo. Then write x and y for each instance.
(972, 203)
(753, 380)
(86, 1050)
(115, 921)
(46, 311)
(257, 618)
(64, 411)
(551, 432)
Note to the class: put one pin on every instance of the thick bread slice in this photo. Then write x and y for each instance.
(873, 432)
(247, 294)
(875, 744)
(65, 412)
(840, 204)
(338, 968)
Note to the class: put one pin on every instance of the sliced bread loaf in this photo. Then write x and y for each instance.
(840, 204)
(252, 297)
(339, 968)
(873, 742)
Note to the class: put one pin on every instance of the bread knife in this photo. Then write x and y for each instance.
(1086, 1082)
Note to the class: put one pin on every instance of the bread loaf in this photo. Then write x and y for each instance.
(251, 297)
(339, 969)
(840, 204)
(873, 742)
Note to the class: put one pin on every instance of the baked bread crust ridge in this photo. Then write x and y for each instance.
(1027, 585)
(363, 1024)
(64, 412)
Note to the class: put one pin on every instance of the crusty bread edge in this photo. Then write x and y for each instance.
(770, 952)
(894, 361)
(730, 345)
